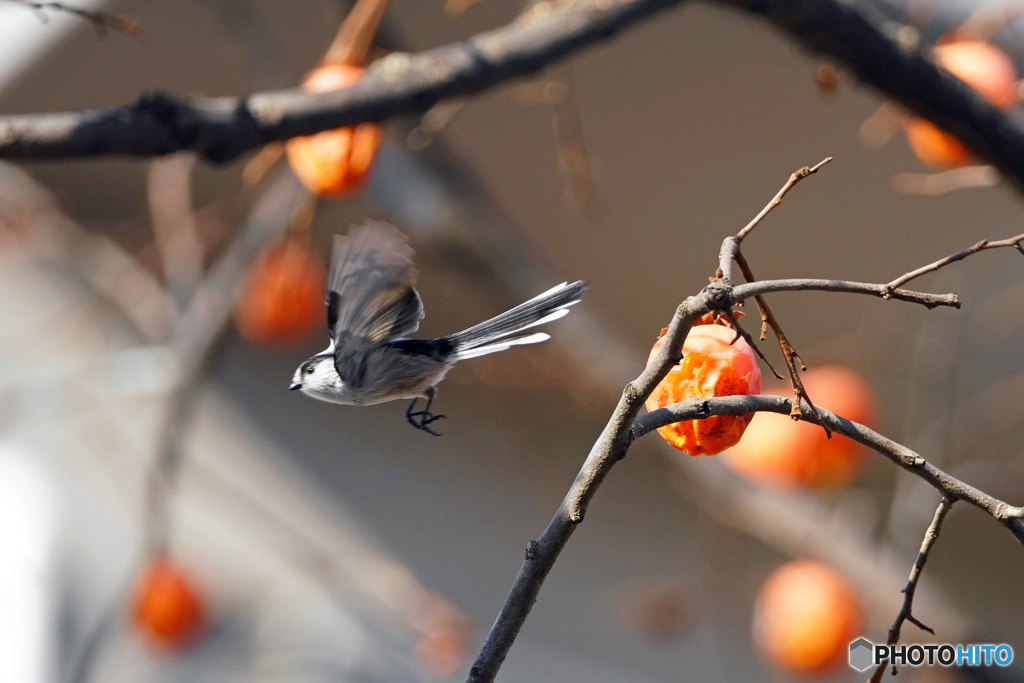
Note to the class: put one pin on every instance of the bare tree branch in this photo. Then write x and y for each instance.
(731, 245)
(730, 252)
(758, 287)
(788, 352)
(1015, 242)
(905, 614)
(624, 427)
(949, 486)
(610, 447)
(777, 199)
(222, 128)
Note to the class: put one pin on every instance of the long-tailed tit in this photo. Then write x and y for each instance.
(372, 304)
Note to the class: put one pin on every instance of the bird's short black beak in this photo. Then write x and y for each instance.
(297, 385)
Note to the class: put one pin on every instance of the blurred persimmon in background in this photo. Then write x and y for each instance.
(441, 654)
(168, 609)
(805, 617)
(780, 452)
(980, 65)
(334, 163)
(712, 365)
(283, 299)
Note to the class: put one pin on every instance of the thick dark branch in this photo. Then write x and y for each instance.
(949, 486)
(222, 128)
(905, 613)
(752, 289)
(861, 37)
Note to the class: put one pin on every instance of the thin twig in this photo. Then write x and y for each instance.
(1015, 242)
(101, 21)
(905, 613)
(731, 315)
(788, 352)
(794, 178)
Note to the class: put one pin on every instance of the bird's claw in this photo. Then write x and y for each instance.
(426, 419)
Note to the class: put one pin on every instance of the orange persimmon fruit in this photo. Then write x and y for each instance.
(713, 364)
(283, 300)
(805, 617)
(334, 163)
(782, 453)
(980, 65)
(167, 608)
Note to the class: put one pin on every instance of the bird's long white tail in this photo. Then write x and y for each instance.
(497, 334)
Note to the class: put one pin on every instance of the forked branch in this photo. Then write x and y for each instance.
(905, 613)
(730, 252)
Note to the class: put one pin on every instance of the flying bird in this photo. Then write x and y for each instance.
(372, 304)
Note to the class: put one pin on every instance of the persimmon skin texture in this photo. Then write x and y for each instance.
(168, 609)
(980, 65)
(710, 366)
(781, 453)
(805, 617)
(283, 300)
(333, 163)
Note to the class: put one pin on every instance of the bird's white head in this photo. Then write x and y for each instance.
(317, 377)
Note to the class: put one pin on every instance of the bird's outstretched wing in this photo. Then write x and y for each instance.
(371, 293)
